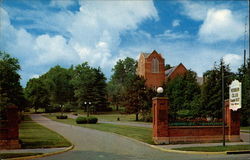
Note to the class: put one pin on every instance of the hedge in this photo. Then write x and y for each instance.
(62, 117)
(84, 120)
(196, 124)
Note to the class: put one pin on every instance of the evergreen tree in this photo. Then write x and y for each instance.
(212, 89)
(245, 109)
(100, 89)
(90, 86)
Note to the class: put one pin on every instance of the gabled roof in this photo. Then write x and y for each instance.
(146, 55)
(171, 70)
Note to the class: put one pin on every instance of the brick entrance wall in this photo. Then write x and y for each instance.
(165, 134)
(9, 129)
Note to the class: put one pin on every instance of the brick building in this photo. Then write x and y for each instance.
(151, 66)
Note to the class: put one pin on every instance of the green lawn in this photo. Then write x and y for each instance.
(33, 135)
(245, 128)
(140, 133)
(112, 116)
(216, 148)
(14, 155)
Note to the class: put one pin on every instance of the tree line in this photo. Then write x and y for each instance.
(69, 88)
(62, 89)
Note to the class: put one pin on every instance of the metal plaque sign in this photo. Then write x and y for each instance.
(235, 95)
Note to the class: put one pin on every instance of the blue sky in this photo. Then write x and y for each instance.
(44, 33)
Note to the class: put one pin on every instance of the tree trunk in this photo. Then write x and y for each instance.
(61, 110)
(137, 117)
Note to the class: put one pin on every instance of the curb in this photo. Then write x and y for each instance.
(43, 155)
(186, 152)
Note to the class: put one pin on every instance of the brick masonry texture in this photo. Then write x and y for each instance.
(9, 130)
(163, 133)
(154, 80)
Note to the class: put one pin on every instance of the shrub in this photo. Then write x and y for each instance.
(147, 117)
(81, 120)
(92, 120)
(62, 117)
(84, 120)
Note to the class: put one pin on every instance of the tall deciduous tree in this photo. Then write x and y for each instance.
(136, 96)
(11, 91)
(182, 92)
(37, 94)
(57, 81)
(123, 72)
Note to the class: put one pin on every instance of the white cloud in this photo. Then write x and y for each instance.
(168, 34)
(93, 33)
(221, 25)
(62, 3)
(176, 22)
(35, 76)
(195, 10)
(234, 60)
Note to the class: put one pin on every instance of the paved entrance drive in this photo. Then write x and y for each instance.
(95, 145)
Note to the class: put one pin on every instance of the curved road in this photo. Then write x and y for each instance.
(97, 145)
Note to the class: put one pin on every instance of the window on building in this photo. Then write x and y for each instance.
(155, 65)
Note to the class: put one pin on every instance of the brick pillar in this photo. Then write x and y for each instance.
(160, 120)
(10, 140)
(233, 123)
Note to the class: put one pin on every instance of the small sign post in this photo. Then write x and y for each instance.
(235, 95)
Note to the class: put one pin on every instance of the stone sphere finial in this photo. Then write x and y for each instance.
(159, 90)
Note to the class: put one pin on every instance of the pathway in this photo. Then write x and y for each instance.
(92, 145)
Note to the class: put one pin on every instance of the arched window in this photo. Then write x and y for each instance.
(155, 65)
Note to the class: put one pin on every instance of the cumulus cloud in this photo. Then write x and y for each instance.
(221, 25)
(170, 35)
(233, 60)
(91, 34)
(194, 10)
(176, 22)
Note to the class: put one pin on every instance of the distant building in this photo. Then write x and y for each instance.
(151, 66)
(175, 71)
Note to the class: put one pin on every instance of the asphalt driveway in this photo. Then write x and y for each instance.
(95, 145)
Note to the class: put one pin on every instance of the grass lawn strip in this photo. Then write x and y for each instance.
(14, 155)
(34, 135)
(140, 133)
(245, 128)
(112, 117)
(216, 148)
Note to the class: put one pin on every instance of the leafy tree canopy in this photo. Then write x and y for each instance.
(11, 91)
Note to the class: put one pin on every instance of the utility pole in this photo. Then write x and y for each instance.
(222, 103)
(245, 34)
